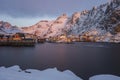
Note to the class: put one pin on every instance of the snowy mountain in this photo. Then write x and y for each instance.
(100, 24)
(46, 29)
(7, 28)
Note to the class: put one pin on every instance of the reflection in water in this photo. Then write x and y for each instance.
(84, 59)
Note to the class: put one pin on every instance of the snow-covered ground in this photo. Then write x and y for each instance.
(15, 73)
(105, 77)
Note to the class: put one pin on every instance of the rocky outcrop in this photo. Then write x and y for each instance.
(7, 28)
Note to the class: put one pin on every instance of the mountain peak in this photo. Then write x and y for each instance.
(62, 16)
(75, 17)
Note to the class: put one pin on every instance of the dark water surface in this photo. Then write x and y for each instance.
(84, 59)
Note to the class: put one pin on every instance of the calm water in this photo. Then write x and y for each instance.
(84, 59)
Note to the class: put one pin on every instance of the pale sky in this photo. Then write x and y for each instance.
(29, 12)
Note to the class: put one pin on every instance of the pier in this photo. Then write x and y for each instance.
(18, 43)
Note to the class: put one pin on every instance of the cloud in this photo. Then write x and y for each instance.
(26, 21)
(36, 8)
(31, 8)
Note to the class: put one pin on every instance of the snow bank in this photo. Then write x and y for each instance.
(15, 73)
(104, 77)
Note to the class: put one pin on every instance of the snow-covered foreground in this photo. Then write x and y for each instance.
(15, 73)
(105, 77)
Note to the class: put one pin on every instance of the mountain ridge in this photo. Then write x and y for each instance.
(100, 24)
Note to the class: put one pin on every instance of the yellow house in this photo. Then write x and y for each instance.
(17, 37)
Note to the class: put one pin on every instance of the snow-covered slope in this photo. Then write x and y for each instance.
(7, 28)
(99, 22)
(45, 28)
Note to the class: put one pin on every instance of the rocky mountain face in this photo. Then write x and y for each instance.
(7, 28)
(102, 22)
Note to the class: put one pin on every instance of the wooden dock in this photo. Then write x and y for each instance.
(17, 43)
